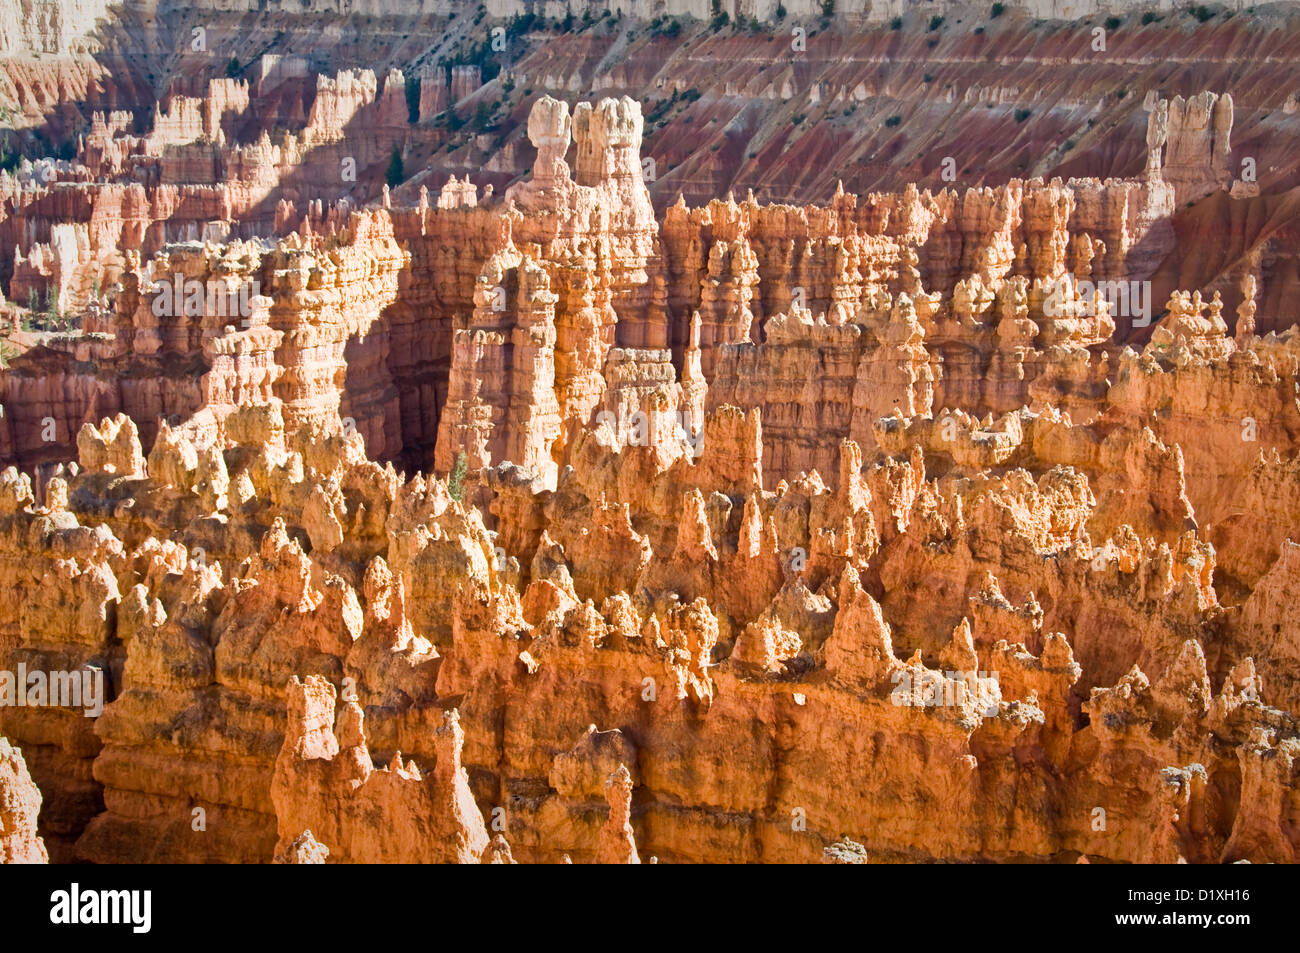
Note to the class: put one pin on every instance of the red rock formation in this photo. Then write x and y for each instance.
(374, 815)
(20, 803)
(781, 529)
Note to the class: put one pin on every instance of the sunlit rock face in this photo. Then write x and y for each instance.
(438, 466)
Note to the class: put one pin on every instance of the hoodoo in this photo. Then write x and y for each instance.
(806, 434)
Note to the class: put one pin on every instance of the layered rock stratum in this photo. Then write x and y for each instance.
(579, 509)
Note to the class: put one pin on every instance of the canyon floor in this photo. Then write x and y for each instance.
(609, 439)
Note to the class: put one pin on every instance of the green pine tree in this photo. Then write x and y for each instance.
(456, 482)
(395, 173)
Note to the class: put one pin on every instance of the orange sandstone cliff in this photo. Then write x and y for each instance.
(610, 505)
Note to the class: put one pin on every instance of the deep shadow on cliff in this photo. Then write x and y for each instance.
(1219, 237)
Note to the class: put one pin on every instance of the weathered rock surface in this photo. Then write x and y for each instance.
(547, 518)
(20, 804)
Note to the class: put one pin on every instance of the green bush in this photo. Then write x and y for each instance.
(1023, 114)
(520, 24)
(671, 28)
(480, 55)
(998, 10)
(456, 481)
(483, 113)
(893, 121)
(936, 21)
(896, 23)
